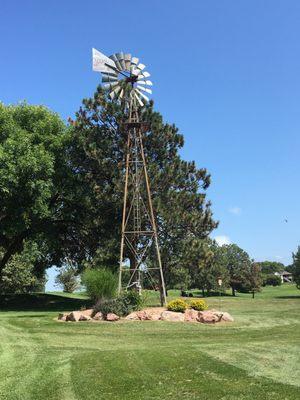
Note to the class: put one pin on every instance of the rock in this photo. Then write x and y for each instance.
(76, 316)
(191, 315)
(62, 317)
(87, 312)
(149, 314)
(132, 316)
(172, 316)
(143, 315)
(84, 318)
(98, 316)
(209, 317)
(227, 317)
(112, 317)
(73, 316)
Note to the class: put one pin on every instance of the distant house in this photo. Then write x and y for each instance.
(285, 276)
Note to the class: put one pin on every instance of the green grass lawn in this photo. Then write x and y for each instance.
(256, 357)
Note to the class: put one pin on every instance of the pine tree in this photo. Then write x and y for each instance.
(178, 186)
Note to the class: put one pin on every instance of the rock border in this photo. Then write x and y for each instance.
(150, 314)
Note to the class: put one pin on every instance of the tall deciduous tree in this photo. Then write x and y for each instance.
(238, 265)
(32, 172)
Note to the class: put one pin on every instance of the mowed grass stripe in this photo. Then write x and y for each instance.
(256, 357)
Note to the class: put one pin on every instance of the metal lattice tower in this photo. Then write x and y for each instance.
(123, 76)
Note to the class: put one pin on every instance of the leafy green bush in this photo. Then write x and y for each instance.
(123, 305)
(100, 283)
(177, 305)
(199, 305)
(107, 306)
(130, 301)
(272, 280)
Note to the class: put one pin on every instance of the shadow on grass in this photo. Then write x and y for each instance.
(287, 297)
(199, 294)
(41, 302)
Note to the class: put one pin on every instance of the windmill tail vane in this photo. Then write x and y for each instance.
(126, 81)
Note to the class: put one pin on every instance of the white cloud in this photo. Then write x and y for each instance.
(278, 257)
(222, 239)
(235, 210)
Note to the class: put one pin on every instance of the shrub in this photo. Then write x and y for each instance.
(123, 305)
(198, 305)
(107, 306)
(100, 283)
(272, 280)
(130, 301)
(177, 305)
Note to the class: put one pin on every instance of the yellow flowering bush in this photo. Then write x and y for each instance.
(198, 304)
(177, 305)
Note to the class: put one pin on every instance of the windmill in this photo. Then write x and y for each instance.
(126, 81)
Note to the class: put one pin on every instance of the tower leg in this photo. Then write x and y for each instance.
(163, 296)
(124, 216)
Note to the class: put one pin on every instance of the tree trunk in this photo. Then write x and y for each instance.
(233, 291)
(203, 292)
(253, 293)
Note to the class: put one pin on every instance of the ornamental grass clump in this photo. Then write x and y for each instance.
(177, 305)
(198, 305)
(101, 284)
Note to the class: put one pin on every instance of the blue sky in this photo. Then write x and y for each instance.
(225, 72)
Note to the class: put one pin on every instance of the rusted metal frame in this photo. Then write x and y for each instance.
(124, 215)
(153, 221)
(138, 263)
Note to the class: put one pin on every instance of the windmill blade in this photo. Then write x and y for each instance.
(108, 78)
(116, 61)
(127, 59)
(138, 99)
(143, 89)
(121, 94)
(142, 94)
(114, 92)
(134, 61)
(102, 63)
(141, 66)
(142, 82)
(109, 85)
(143, 75)
(138, 69)
(120, 57)
(113, 74)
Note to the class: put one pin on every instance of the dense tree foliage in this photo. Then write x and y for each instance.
(296, 267)
(61, 188)
(32, 175)
(178, 187)
(19, 275)
(269, 267)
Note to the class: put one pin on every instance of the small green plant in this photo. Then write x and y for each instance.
(100, 283)
(177, 305)
(107, 306)
(123, 305)
(198, 304)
